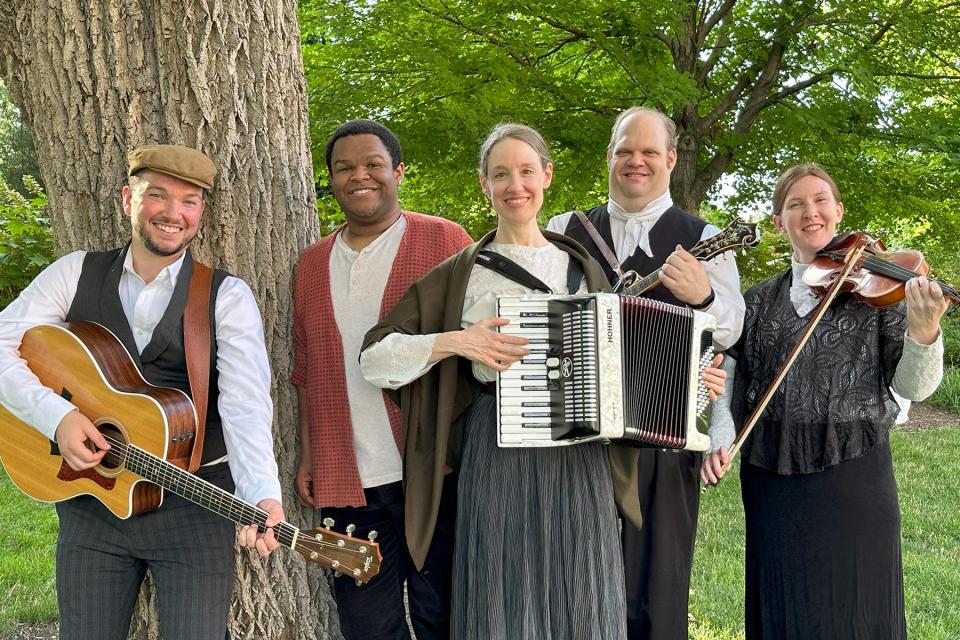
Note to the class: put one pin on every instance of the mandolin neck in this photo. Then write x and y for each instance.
(644, 284)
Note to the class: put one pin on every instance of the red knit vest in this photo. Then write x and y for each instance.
(319, 357)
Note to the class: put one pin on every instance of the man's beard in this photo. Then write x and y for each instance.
(150, 246)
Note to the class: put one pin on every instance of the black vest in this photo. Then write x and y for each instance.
(163, 362)
(674, 227)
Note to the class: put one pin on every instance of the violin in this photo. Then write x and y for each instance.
(878, 279)
(857, 262)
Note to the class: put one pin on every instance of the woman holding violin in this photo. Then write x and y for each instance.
(819, 494)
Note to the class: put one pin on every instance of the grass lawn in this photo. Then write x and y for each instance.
(27, 590)
(930, 504)
(929, 500)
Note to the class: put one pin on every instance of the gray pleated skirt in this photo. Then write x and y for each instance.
(537, 546)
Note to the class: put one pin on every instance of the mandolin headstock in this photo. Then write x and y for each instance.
(358, 558)
(738, 235)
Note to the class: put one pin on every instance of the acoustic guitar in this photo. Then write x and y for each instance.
(146, 427)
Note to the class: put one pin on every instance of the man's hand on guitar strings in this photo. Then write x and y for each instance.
(81, 444)
(265, 543)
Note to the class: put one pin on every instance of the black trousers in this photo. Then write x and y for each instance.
(375, 611)
(102, 560)
(658, 558)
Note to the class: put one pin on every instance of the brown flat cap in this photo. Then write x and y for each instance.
(173, 160)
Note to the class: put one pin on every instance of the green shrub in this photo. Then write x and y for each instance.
(26, 241)
(947, 394)
(950, 325)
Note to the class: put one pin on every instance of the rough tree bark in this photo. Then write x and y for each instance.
(95, 79)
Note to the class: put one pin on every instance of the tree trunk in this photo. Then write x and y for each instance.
(94, 80)
(684, 175)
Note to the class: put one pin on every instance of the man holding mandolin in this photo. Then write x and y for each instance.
(143, 293)
(640, 229)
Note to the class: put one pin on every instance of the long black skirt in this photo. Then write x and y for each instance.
(537, 552)
(823, 552)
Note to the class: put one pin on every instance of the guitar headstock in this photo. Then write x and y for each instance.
(738, 235)
(358, 558)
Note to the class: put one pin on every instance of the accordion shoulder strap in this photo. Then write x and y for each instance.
(510, 269)
(574, 275)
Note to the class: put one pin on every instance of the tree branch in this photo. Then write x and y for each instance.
(456, 21)
(600, 39)
(718, 15)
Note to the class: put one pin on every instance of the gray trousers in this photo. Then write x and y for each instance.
(102, 560)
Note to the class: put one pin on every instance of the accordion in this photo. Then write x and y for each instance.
(604, 367)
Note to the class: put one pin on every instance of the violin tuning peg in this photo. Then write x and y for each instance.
(328, 522)
(372, 536)
(351, 528)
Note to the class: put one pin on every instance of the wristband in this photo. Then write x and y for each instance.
(706, 303)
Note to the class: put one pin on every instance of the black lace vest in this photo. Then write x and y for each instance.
(835, 403)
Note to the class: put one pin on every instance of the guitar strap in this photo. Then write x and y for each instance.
(196, 346)
(601, 243)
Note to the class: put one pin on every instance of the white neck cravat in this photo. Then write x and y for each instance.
(802, 297)
(631, 229)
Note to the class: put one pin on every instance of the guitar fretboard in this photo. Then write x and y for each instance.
(195, 489)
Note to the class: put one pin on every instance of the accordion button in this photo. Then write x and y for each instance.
(553, 362)
(553, 374)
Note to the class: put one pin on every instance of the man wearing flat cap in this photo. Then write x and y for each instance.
(140, 292)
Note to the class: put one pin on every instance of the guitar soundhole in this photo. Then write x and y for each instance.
(114, 459)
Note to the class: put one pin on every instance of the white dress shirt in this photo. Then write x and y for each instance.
(630, 230)
(357, 282)
(245, 406)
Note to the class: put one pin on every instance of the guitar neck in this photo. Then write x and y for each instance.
(198, 491)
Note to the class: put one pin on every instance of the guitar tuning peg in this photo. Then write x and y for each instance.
(358, 583)
(328, 522)
(372, 536)
(351, 528)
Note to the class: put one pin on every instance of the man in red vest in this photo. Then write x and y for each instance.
(350, 439)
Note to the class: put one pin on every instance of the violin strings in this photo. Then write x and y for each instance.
(898, 272)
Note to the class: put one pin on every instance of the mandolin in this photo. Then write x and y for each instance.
(146, 427)
(738, 235)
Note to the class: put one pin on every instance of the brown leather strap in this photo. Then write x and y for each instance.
(601, 244)
(196, 345)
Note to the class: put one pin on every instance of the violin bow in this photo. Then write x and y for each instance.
(852, 260)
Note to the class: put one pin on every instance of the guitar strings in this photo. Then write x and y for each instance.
(210, 496)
